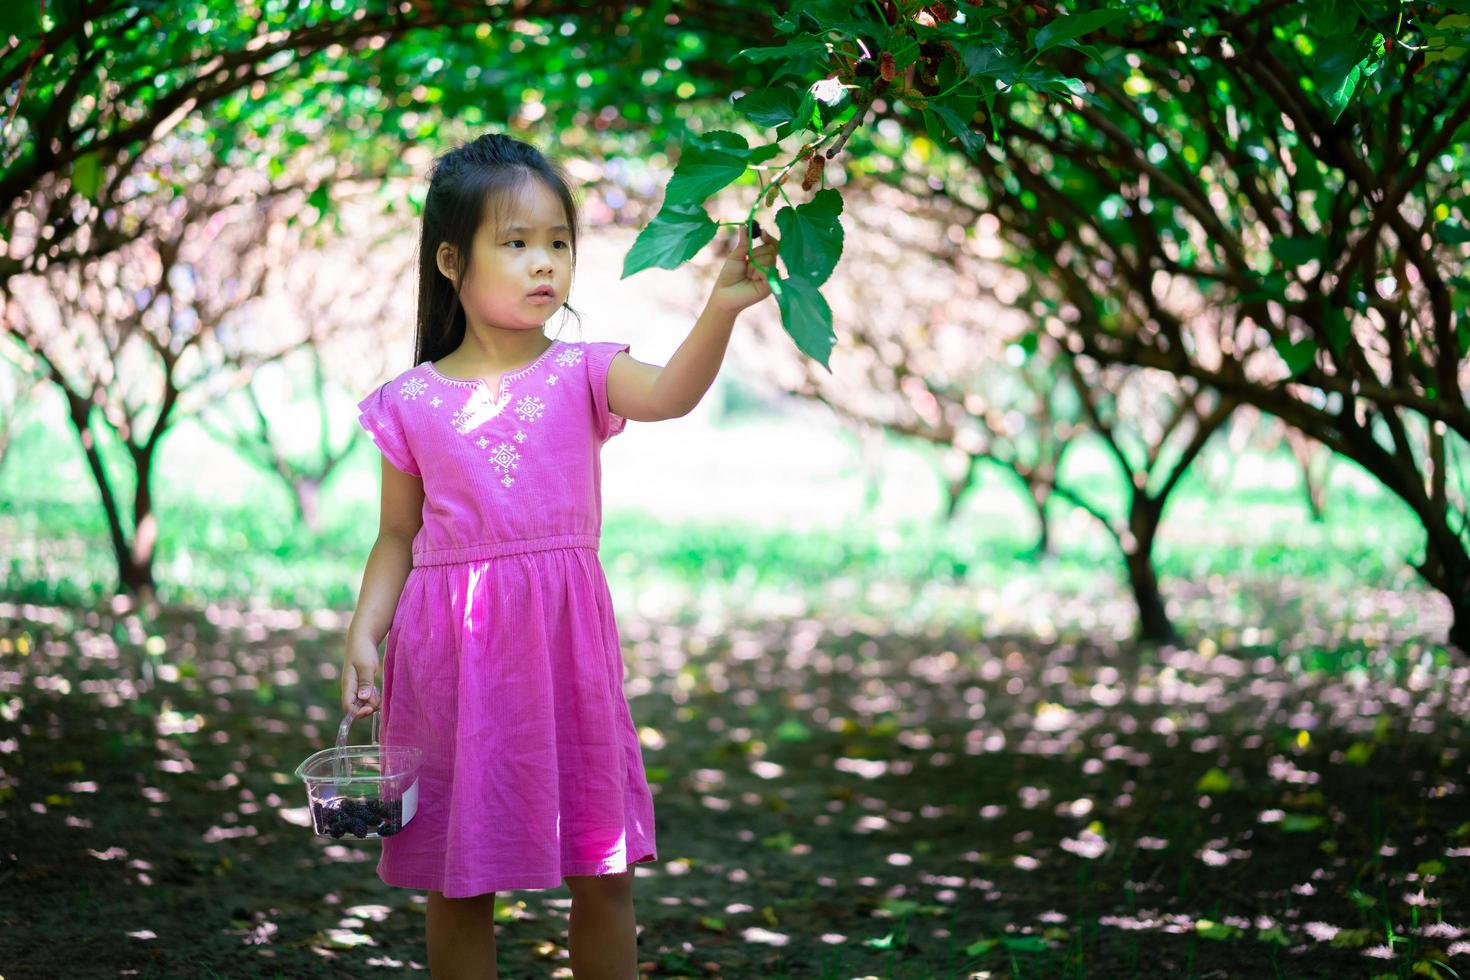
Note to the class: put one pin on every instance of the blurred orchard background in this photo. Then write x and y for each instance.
(1096, 602)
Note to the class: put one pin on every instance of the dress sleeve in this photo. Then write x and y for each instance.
(599, 359)
(379, 416)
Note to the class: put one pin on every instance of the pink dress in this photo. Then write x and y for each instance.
(503, 662)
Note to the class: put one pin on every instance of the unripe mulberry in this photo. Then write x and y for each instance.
(771, 194)
(813, 172)
(885, 66)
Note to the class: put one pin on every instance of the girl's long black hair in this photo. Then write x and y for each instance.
(466, 185)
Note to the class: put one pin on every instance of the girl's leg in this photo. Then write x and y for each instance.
(603, 934)
(461, 934)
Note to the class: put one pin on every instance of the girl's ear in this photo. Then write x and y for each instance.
(444, 259)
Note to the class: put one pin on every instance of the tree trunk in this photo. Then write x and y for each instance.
(1306, 451)
(136, 576)
(955, 489)
(1039, 496)
(307, 492)
(134, 558)
(1143, 524)
(1446, 567)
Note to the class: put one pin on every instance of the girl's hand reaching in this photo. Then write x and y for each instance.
(740, 283)
(359, 667)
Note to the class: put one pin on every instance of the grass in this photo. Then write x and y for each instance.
(227, 533)
(209, 551)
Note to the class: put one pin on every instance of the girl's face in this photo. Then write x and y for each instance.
(532, 249)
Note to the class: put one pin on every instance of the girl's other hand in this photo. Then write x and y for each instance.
(359, 667)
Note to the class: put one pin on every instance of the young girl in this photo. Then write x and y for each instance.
(502, 661)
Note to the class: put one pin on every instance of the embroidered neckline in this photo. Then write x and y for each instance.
(504, 378)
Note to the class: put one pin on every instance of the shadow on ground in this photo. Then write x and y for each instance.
(836, 797)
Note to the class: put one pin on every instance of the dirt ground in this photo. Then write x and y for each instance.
(835, 798)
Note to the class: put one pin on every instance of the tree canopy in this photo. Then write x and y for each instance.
(1267, 197)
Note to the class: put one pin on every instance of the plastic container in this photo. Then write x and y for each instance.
(361, 791)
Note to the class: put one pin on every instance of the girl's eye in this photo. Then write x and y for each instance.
(513, 241)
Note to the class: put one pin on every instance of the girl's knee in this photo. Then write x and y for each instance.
(614, 887)
(471, 903)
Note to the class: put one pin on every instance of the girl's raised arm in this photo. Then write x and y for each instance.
(648, 393)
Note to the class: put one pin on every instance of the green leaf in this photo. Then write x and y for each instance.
(1024, 944)
(1298, 356)
(86, 175)
(321, 199)
(1069, 28)
(1272, 287)
(1447, 40)
(1059, 84)
(706, 164)
(1296, 823)
(1216, 780)
(1298, 251)
(1452, 233)
(1341, 64)
(988, 61)
(905, 50)
(811, 236)
(970, 141)
(757, 55)
(792, 730)
(1336, 17)
(21, 18)
(675, 235)
(888, 941)
(1273, 935)
(1352, 938)
(809, 114)
(806, 316)
(770, 106)
(1217, 930)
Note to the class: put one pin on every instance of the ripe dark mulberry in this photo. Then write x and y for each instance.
(361, 818)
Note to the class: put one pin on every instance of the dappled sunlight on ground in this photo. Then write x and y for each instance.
(861, 786)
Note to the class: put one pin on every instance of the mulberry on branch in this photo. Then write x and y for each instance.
(813, 173)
